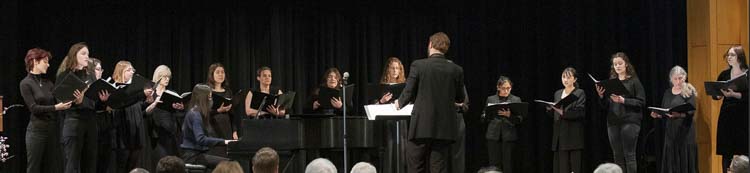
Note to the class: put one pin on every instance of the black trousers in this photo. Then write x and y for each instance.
(43, 151)
(201, 158)
(80, 147)
(624, 139)
(105, 154)
(501, 154)
(428, 155)
(566, 161)
(458, 149)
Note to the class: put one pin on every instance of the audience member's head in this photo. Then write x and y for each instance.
(170, 164)
(266, 161)
(139, 170)
(489, 169)
(321, 165)
(739, 164)
(363, 167)
(608, 168)
(228, 167)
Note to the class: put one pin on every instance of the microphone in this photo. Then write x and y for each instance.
(346, 77)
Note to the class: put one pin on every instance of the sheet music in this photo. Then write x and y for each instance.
(373, 111)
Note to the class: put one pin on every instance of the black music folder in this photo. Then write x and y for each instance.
(683, 108)
(376, 91)
(326, 94)
(64, 90)
(170, 97)
(612, 86)
(713, 88)
(219, 100)
(101, 85)
(519, 108)
(129, 93)
(562, 103)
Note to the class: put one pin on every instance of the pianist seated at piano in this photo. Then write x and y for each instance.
(196, 141)
(264, 77)
(326, 99)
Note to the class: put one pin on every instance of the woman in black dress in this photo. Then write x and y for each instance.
(165, 122)
(43, 132)
(221, 120)
(680, 152)
(133, 144)
(731, 135)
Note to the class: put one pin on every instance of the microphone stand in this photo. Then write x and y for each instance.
(262, 104)
(343, 101)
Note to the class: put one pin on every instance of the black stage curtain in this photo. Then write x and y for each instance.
(530, 41)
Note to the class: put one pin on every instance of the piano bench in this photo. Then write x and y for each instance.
(191, 168)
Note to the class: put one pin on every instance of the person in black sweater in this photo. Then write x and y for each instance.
(105, 139)
(624, 112)
(680, 152)
(42, 134)
(568, 127)
(331, 80)
(502, 132)
(731, 134)
(79, 127)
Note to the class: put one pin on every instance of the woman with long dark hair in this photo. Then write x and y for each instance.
(731, 134)
(196, 141)
(624, 112)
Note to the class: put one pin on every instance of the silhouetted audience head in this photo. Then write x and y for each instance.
(739, 165)
(489, 169)
(228, 167)
(170, 164)
(608, 168)
(321, 165)
(363, 167)
(139, 170)
(266, 160)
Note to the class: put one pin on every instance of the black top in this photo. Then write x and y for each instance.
(37, 94)
(499, 127)
(629, 112)
(434, 85)
(568, 129)
(87, 109)
(682, 125)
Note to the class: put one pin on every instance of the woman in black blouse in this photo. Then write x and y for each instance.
(624, 112)
(331, 80)
(731, 135)
(217, 80)
(567, 130)
(42, 134)
(264, 77)
(165, 122)
(680, 152)
(133, 144)
(79, 127)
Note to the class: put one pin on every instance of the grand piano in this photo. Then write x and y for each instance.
(302, 138)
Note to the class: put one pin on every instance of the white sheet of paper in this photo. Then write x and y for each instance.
(373, 111)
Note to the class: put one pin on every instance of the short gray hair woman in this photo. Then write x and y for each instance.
(739, 164)
(608, 168)
(321, 165)
(363, 167)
